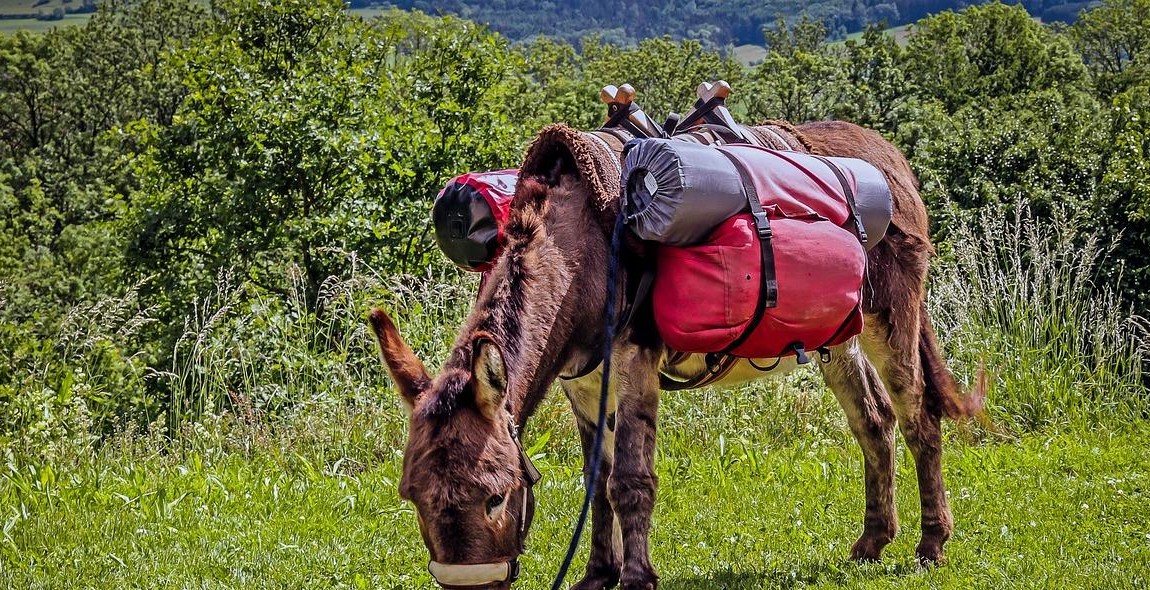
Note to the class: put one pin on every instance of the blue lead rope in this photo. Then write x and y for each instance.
(597, 448)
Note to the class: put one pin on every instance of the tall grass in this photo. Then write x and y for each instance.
(257, 369)
(257, 354)
(76, 384)
(1020, 295)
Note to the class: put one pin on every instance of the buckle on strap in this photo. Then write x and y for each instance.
(476, 574)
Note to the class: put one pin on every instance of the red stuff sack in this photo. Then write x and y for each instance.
(719, 296)
(468, 216)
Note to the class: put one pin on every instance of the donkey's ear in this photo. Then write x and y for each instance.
(406, 369)
(488, 376)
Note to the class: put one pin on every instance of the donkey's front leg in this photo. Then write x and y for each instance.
(633, 480)
(606, 560)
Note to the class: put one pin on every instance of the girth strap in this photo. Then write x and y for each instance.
(717, 367)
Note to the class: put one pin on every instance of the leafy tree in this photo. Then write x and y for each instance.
(307, 135)
(1114, 40)
(554, 86)
(800, 79)
(1043, 148)
(875, 81)
(63, 95)
(664, 72)
(1124, 207)
(988, 51)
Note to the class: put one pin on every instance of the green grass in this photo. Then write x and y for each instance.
(315, 505)
(282, 467)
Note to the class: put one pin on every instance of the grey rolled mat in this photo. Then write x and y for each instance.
(872, 198)
(676, 192)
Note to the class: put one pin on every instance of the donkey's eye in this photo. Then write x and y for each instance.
(495, 503)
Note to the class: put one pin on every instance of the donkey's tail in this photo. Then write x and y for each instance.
(944, 396)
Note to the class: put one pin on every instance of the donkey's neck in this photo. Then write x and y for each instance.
(541, 303)
(533, 329)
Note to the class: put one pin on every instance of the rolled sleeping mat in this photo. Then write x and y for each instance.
(676, 192)
(468, 217)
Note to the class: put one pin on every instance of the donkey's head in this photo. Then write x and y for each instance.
(538, 313)
(462, 468)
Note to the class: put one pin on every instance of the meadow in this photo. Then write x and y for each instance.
(198, 211)
(315, 506)
(761, 485)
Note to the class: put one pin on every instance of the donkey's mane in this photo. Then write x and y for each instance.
(501, 303)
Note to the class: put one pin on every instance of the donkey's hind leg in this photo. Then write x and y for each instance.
(606, 560)
(892, 342)
(859, 390)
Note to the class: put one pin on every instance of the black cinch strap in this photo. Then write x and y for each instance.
(849, 193)
(769, 283)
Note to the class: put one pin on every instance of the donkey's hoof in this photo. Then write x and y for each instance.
(929, 554)
(868, 548)
(647, 581)
(599, 578)
(589, 583)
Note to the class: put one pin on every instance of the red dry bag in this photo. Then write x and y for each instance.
(784, 278)
(468, 216)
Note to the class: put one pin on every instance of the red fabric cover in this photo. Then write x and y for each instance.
(497, 188)
(704, 296)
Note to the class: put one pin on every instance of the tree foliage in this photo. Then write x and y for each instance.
(279, 144)
(308, 135)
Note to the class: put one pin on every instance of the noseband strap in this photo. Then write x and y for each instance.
(479, 574)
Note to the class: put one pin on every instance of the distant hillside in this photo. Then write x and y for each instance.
(714, 22)
(44, 9)
(717, 22)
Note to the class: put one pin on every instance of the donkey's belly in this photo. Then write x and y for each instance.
(742, 371)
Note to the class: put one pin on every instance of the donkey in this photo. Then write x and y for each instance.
(539, 316)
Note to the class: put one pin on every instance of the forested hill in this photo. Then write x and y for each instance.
(715, 22)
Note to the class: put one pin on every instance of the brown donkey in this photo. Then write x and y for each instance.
(540, 316)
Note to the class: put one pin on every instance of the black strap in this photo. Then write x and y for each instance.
(717, 366)
(769, 284)
(619, 116)
(698, 112)
(621, 119)
(860, 231)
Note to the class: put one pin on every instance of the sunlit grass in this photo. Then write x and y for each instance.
(315, 505)
(277, 463)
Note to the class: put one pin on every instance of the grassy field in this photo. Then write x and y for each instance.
(900, 33)
(8, 26)
(761, 485)
(767, 492)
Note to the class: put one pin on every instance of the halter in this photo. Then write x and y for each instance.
(458, 575)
